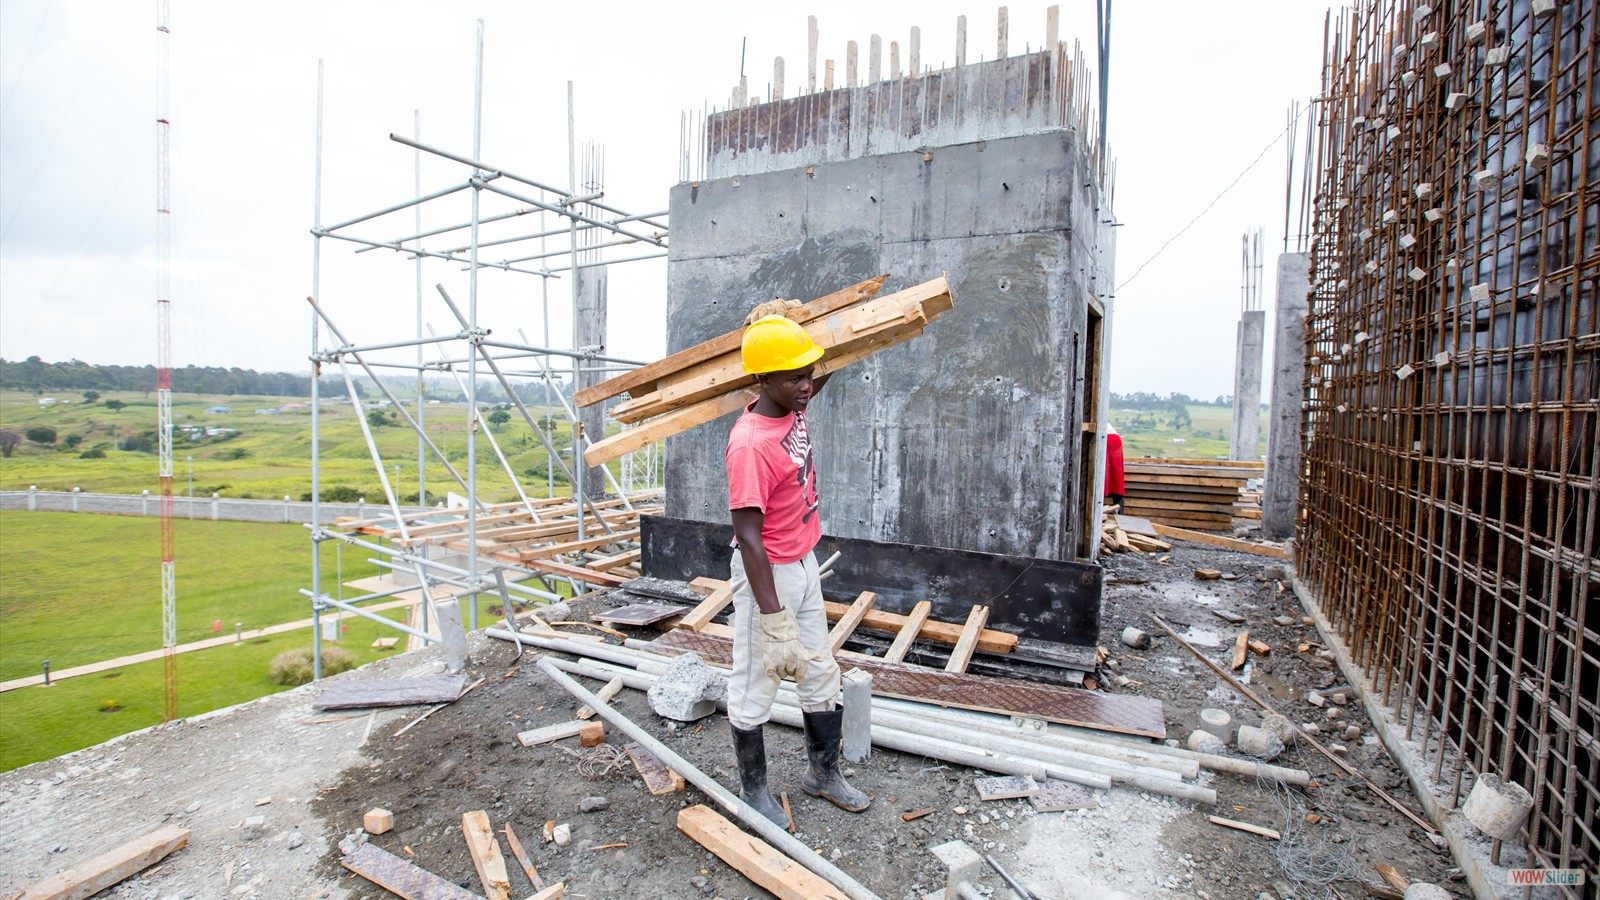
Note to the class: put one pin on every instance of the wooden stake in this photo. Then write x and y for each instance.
(1241, 649)
(1245, 826)
(89, 878)
(521, 856)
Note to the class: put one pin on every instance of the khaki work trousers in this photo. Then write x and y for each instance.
(750, 689)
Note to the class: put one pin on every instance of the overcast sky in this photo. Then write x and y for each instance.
(1198, 90)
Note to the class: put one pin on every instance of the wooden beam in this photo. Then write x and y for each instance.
(725, 343)
(847, 623)
(1200, 537)
(612, 562)
(521, 856)
(578, 572)
(658, 779)
(593, 543)
(604, 695)
(908, 632)
(558, 731)
(486, 856)
(756, 859)
(701, 616)
(401, 878)
(989, 640)
(962, 654)
(112, 867)
(663, 427)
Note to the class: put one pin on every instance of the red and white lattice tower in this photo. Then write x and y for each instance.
(169, 576)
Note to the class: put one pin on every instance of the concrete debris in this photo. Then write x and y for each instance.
(1259, 742)
(1135, 638)
(252, 827)
(1497, 808)
(962, 862)
(1215, 718)
(1280, 727)
(688, 690)
(1202, 741)
(593, 804)
(561, 834)
(1421, 890)
(295, 840)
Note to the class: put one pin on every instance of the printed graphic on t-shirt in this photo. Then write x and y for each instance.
(797, 443)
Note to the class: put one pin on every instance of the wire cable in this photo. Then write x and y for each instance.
(1214, 201)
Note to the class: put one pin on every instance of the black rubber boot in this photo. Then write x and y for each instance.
(751, 751)
(822, 750)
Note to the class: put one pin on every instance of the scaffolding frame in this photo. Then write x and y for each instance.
(591, 227)
(1452, 396)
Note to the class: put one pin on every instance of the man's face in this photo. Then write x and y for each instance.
(790, 390)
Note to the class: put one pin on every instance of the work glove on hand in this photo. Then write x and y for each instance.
(770, 308)
(781, 653)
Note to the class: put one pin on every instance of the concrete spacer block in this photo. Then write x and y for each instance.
(1479, 292)
(1455, 101)
(1497, 808)
(857, 715)
(1542, 8)
(1497, 56)
(1538, 156)
(1442, 70)
(1477, 31)
(963, 862)
(1215, 718)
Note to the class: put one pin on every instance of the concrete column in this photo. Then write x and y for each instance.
(452, 633)
(961, 41)
(914, 53)
(875, 60)
(811, 54)
(1280, 495)
(857, 737)
(894, 59)
(592, 333)
(1246, 434)
(851, 50)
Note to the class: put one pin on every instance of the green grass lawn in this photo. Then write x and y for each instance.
(1205, 438)
(79, 588)
(269, 456)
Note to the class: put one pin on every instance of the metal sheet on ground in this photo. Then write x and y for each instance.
(1043, 599)
(1068, 706)
(640, 613)
(400, 877)
(392, 692)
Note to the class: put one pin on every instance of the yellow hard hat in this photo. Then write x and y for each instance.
(777, 344)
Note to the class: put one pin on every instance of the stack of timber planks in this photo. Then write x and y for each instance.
(1201, 494)
(707, 381)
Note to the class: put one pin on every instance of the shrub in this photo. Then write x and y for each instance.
(93, 453)
(91, 396)
(72, 440)
(41, 434)
(115, 405)
(234, 453)
(293, 667)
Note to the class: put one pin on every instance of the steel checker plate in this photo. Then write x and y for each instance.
(1067, 706)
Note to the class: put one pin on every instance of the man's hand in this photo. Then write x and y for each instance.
(776, 307)
(781, 653)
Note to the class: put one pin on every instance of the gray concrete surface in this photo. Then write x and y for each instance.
(1281, 492)
(593, 286)
(967, 437)
(1245, 437)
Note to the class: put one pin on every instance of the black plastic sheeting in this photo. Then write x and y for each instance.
(1040, 599)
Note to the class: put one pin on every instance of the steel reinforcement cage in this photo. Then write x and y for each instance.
(1449, 493)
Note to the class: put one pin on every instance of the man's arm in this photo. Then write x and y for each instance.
(747, 523)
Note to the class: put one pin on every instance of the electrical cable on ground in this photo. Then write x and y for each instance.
(1198, 216)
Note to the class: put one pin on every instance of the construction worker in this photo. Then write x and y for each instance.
(780, 627)
(1114, 467)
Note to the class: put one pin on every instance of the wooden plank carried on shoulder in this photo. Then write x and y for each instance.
(723, 344)
(758, 860)
(112, 867)
(962, 654)
(847, 623)
(1217, 540)
(908, 632)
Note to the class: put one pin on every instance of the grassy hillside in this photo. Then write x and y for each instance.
(267, 457)
(1151, 433)
(78, 588)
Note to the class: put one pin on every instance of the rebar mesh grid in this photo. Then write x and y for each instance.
(1450, 495)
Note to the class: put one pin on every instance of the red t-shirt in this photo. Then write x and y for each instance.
(770, 467)
(1114, 482)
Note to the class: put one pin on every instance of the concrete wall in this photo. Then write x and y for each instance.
(1278, 498)
(966, 437)
(1245, 439)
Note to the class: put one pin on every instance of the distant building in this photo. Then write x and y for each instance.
(290, 407)
(48, 401)
(219, 410)
(270, 411)
(218, 432)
